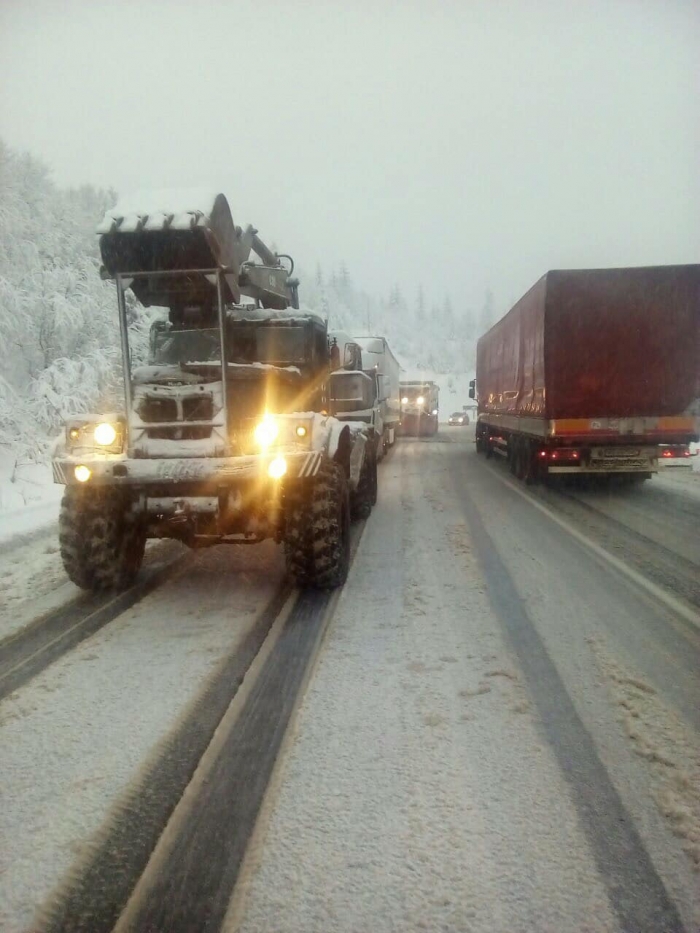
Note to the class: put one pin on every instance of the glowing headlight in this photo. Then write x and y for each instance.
(83, 473)
(404, 401)
(105, 434)
(301, 430)
(420, 400)
(434, 412)
(266, 432)
(277, 468)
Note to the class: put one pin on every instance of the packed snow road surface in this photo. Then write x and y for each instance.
(501, 734)
(492, 727)
(77, 739)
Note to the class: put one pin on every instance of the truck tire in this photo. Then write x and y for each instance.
(365, 496)
(317, 529)
(100, 548)
(526, 465)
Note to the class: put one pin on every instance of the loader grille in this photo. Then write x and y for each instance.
(168, 418)
(153, 410)
(199, 408)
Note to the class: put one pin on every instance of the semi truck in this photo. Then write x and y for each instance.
(419, 408)
(225, 435)
(380, 364)
(591, 371)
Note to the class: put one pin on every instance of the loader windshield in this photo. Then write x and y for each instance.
(182, 347)
(284, 345)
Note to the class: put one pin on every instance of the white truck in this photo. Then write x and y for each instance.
(380, 364)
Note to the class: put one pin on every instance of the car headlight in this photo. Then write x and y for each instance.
(105, 434)
(266, 432)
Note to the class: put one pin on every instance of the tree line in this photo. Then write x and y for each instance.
(58, 321)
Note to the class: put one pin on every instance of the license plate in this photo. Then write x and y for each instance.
(626, 464)
(615, 453)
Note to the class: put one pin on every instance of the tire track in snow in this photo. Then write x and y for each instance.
(634, 888)
(30, 651)
(203, 848)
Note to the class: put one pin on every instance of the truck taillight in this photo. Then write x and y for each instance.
(562, 454)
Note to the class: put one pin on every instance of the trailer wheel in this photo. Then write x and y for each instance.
(317, 529)
(101, 548)
(528, 465)
(513, 455)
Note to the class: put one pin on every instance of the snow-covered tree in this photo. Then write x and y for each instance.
(57, 317)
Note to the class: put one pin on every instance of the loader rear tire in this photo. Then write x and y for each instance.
(317, 529)
(101, 548)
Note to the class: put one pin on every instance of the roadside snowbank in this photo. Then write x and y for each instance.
(29, 499)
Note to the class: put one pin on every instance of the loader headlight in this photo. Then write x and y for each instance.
(266, 432)
(301, 430)
(105, 434)
(82, 473)
(420, 400)
(404, 400)
(277, 468)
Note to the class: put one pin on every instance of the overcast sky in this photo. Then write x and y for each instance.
(460, 144)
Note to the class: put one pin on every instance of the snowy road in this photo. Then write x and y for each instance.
(500, 732)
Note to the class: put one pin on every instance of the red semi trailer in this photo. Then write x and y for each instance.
(591, 371)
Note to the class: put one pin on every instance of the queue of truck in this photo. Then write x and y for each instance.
(245, 419)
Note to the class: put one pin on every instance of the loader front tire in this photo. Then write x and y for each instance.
(317, 529)
(101, 548)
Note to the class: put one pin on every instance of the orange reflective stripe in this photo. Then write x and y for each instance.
(570, 426)
(679, 423)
